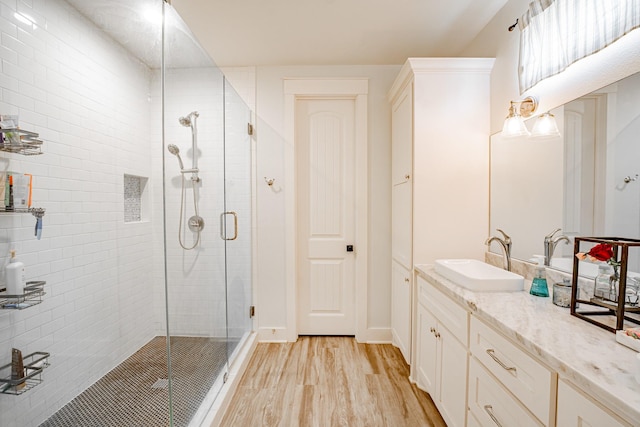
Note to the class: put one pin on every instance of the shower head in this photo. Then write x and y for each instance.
(187, 120)
(173, 149)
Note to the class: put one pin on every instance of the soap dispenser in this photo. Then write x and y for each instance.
(15, 276)
(539, 284)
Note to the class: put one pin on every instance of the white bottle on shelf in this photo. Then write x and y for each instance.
(15, 276)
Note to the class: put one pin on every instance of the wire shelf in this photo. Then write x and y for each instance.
(28, 145)
(34, 363)
(33, 293)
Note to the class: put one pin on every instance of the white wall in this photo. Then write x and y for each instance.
(88, 99)
(270, 235)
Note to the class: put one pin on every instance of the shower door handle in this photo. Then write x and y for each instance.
(223, 227)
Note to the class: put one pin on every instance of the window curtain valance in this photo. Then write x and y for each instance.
(556, 33)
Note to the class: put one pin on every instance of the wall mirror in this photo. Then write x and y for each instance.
(584, 182)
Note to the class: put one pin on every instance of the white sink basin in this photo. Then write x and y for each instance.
(478, 276)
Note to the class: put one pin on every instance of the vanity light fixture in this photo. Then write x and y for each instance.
(514, 125)
(545, 127)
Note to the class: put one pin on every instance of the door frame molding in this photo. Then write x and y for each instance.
(356, 89)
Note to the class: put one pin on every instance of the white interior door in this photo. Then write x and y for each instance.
(325, 157)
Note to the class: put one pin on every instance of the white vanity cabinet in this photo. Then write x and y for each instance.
(575, 409)
(516, 372)
(440, 158)
(440, 366)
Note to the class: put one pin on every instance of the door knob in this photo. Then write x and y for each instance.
(349, 248)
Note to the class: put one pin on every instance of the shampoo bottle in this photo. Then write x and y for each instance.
(15, 276)
(539, 284)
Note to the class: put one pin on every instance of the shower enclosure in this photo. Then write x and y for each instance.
(146, 178)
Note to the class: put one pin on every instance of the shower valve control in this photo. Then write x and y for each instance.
(196, 223)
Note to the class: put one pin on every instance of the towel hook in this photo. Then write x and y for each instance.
(628, 178)
(269, 181)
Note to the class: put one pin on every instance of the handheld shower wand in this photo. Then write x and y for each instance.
(173, 149)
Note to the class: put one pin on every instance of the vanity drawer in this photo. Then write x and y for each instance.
(491, 405)
(449, 314)
(528, 380)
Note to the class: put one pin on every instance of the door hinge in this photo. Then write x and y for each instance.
(252, 311)
(225, 377)
(249, 128)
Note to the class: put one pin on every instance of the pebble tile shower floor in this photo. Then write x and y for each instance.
(135, 393)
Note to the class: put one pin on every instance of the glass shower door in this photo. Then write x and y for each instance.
(237, 217)
(193, 112)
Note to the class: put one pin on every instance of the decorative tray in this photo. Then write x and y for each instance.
(628, 341)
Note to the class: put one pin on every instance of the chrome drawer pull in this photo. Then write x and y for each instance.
(489, 410)
(490, 352)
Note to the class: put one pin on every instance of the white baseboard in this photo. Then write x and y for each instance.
(273, 334)
(372, 335)
(379, 336)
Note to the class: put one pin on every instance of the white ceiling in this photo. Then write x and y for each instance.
(333, 32)
(294, 32)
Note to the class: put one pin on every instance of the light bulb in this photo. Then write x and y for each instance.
(545, 127)
(514, 125)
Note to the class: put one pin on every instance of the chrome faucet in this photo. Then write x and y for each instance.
(505, 244)
(550, 243)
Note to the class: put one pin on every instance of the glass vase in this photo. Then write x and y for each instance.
(606, 283)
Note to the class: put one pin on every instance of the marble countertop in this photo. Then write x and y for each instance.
(583, 353)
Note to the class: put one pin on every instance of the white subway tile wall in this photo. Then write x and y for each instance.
(88, 99)
(98, 109)
(197, 294)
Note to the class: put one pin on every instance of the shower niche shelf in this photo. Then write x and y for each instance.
(34, 364)
(33, 293)
(29, 144)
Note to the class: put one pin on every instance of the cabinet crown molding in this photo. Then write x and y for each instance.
(415, 66)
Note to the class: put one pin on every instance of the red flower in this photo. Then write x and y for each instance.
(601, 252)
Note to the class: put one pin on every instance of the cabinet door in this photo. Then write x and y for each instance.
(427, 350)
(402, 136)
(401, 309)
(577, 410)
(401, 224)
(453, 377)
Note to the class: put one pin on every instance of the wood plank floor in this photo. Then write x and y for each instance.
(329, 381)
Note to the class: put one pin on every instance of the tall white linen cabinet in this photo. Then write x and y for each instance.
(440, 173)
